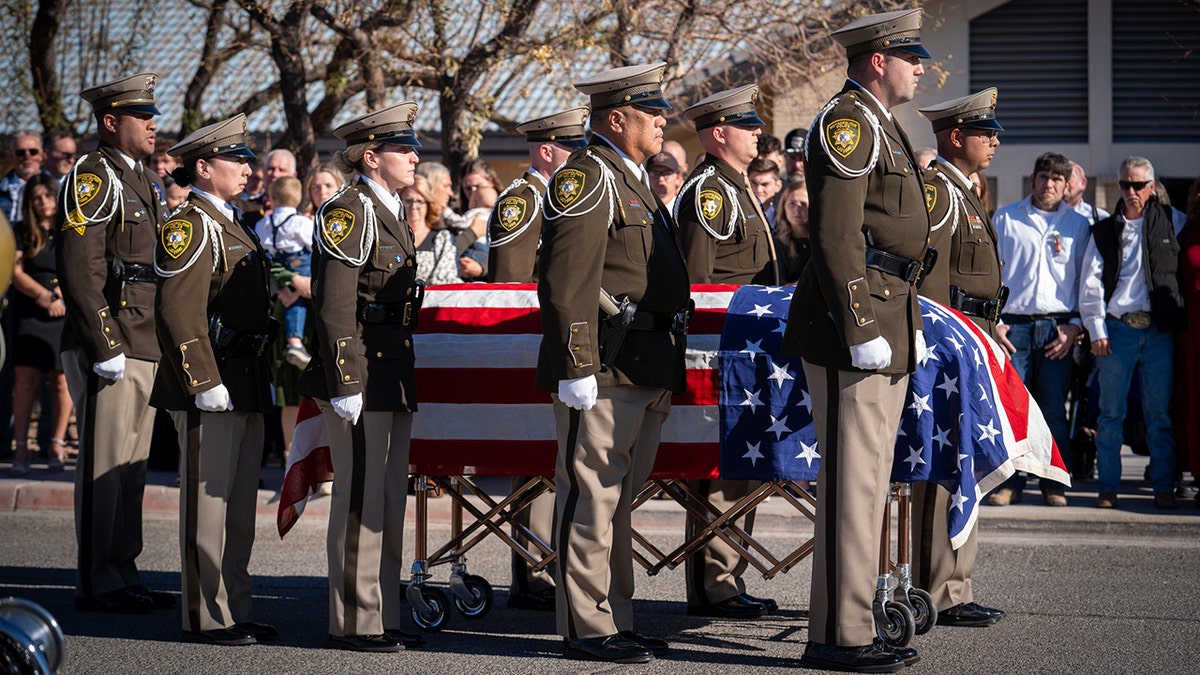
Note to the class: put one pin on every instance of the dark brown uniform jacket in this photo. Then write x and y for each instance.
(352, 356)
(634, 255)
(107, 316)
(192, 292)
(515, 230)
(962, 233)
(839, 301)
(724, 242)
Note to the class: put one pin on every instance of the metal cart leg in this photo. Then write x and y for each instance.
(430, 607)
(894, 622)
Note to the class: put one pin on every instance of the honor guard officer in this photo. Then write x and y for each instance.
(726, 240)
(612, 364)
(967, 279)
(110, 210)
(515, 227)
(215, 379)
(855, 322)
(366, 297)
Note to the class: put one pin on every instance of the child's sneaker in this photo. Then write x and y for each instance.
(298, 356)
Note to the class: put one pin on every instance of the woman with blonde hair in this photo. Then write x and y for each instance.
(791, 232)
(437, 248)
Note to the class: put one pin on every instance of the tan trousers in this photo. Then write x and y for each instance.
(857, 416)
(604, 457)
(539, 518)
(365, 543)
(936, 566)
(220, 455)
(714, 573)
(114, 422)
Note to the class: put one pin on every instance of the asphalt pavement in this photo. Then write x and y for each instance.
(1086, 590)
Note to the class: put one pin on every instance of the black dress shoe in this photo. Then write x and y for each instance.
(409, 640)
(120, 601)
(970, 615)
(769, 603)
(611, 648)
(226, 637)
(997, 613)
(259, 631)
(655, 645)
(538, 602)
(159, 599)
(737, 607)
(907, 654)
(364, 643)
(868, 659)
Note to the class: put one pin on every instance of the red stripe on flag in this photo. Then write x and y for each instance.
(478, 385)
(479, 320)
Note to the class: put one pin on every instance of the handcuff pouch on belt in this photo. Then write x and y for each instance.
(897, 266)
(985, 308)
(403, 313)
(228, 342)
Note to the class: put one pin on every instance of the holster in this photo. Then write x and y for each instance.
(228, 342)
(613, 328)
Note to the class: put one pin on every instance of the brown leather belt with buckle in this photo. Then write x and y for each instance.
(1135, 320)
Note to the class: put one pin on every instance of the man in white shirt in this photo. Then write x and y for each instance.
(1130, 303)
(1073, 196)
(1041, 241)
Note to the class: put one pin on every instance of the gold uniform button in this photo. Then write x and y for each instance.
(390, 266)
(112, 343)
(103, 314)
(409, 291)
(574, 331)
(183, 348)
(861, 321)
(575, 348)
(123, 303)
(341, 362)
(345, 378)
(186, 366)
(342, 343)
(106, 329)
(854, 287)
(379, 355)
(886, 292)
(408, 343)
(195, 382)
(855, 305)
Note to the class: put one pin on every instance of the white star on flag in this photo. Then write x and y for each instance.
(958, 499)
(920, 404)
(781, 328)
(772, 289)
(788, 299)
(779, 427)
(962, 457)
(752, 400)
(933, 317)
(931, 353)
(955, 343)
(808, 452)
(806, 401)
(982, 392)
(914, 458)
(949, 384)
(760, 310)
(989, 432)
(942, 437)
(753, 348)
(752, 453)
(780, 374)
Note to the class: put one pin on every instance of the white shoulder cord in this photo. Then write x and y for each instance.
(608, 183)
(537, 205)
(877, 133)
(211, 231)
(365, 244)
(735, 209)
(956, 207)
(116, 192)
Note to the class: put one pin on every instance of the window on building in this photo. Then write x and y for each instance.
(1155, 71)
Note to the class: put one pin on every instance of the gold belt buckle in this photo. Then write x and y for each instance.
(1137, 320)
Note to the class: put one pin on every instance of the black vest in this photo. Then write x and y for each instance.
(1160, 258)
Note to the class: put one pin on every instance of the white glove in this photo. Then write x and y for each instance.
(113, 369)
(919, 345)
(348, 407)
(873, 354)
(579, 393)
(214, 400)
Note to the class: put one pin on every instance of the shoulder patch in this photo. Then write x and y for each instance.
(87, 186)
(843, 135)
(510, 212)
(336, 225)
(568, 186)
(710, 204)
(930, 196)
(176, 237)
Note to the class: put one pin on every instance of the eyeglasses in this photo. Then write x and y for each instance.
(986, 134)
(28, 152)
(410, 203)
(1133, 184)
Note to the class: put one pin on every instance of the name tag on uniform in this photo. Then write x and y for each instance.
(235, 247)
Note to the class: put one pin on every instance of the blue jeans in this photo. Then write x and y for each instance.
(1151, 351)
(1048, 380)
(294, 316)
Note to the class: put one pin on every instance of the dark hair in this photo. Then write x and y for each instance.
(34, 238)
(760, 165)
(478, 166)
(1054, 163)
(184, 174)
(768, 144)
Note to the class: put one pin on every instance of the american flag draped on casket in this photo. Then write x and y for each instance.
(479, 414)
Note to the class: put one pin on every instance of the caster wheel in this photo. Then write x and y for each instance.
(923, 609)
(481, 597)
(900, 627)
(438, 615)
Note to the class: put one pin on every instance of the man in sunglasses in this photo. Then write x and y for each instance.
(26, 159)
(1130, 301)
(1042, 241)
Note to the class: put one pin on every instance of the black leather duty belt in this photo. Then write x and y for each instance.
(894, 265)
(404, 313)
(229, 342)
(136, 272)
(985, 308)
(676, 323)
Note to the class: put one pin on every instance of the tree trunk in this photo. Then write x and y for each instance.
(43, 62)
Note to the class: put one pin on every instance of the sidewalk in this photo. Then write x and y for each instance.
(42, 490)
